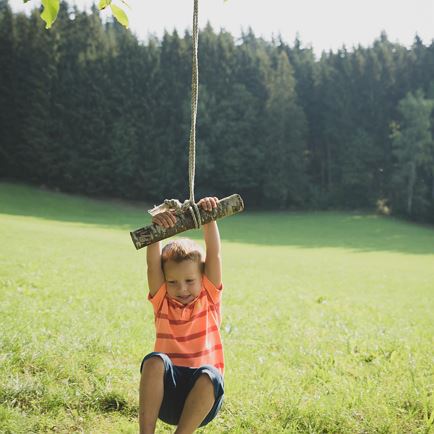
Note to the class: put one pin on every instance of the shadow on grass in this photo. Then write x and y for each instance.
(353, 231)
(21, 200)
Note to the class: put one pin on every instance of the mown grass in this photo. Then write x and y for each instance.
(328, 320)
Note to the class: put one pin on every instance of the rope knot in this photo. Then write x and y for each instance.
(178, 208)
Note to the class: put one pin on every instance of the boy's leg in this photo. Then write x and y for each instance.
(151, 393)
(198, 404)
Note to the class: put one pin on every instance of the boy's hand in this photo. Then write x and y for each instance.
(213, 263)
(208, 203)
(165, 219)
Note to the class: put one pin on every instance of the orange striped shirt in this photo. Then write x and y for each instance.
(190, 334)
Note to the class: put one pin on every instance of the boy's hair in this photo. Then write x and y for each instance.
(183, 249)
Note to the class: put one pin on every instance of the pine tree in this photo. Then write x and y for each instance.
(413, 149)
(7, 91)
(35, 74)
(306, 72)
(285, 181)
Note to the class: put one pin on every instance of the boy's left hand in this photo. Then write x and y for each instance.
(208, 203)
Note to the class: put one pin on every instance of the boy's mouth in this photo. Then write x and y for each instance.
(185, 298)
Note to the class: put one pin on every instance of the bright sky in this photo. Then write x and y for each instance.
(324, 24)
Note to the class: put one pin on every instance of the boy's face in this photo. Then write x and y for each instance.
(184, 280)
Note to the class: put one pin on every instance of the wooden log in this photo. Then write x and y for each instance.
(151, 234)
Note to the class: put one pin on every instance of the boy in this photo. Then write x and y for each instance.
(182, 380)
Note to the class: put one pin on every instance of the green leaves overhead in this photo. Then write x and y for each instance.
(51, 9)
(49, 14)
(103, 4)
(119, 14)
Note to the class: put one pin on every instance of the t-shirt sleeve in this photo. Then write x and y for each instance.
(214, 292)
(158, 297)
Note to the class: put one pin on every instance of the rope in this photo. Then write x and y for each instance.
(173, 204)
(194, 99)
(195, 214)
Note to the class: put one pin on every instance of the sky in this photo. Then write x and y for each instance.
(322, 24)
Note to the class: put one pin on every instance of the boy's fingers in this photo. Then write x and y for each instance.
(156, 220)
(164, 219)
(208, 203)
(173, 218)
(167, 220)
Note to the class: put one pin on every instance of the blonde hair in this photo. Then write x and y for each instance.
(183, 249)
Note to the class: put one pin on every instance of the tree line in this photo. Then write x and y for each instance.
(88, 108)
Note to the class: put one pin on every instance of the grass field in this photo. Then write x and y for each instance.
(328, 320)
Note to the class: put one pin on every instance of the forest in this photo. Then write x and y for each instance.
(88, 108)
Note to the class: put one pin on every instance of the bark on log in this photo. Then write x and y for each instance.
(151, 234)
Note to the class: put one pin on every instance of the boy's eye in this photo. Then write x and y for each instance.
(171, 282)
(190, 280)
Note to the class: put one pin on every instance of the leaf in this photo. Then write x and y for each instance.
(49, 14)
(120, 15)
(103, 4)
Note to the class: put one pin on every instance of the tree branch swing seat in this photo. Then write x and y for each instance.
(189, 215)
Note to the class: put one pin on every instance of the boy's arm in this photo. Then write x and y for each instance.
(155, 272)
(153, 253)
(213, 261)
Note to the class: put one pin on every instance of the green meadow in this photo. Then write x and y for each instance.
(328, 322)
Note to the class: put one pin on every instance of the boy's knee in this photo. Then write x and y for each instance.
(204, 381)
(154, 364)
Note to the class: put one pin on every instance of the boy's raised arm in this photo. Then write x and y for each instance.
(213, 261)
(153, 253)
(155, 272)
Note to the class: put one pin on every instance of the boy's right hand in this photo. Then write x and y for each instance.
(165, 219)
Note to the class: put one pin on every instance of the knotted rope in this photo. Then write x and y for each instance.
(194, 99)
(190, 204)
(178, 208)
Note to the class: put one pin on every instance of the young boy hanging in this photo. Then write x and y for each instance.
(182, 380)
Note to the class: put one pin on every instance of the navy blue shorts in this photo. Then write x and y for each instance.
(178, 382)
